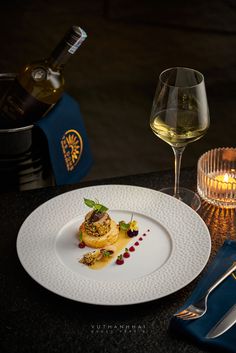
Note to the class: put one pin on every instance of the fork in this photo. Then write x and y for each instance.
(199, 308)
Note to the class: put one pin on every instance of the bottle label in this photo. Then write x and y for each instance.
(19, 106)
(77, 44)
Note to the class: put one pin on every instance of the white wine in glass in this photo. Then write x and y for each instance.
(179, 116)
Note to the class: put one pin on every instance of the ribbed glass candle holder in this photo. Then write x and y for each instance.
(216, 180)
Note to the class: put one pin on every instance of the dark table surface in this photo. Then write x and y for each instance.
(33, 319)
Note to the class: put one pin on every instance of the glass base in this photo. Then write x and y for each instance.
(187, 196)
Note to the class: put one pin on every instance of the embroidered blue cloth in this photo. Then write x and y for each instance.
(219, 302)
(68, 143)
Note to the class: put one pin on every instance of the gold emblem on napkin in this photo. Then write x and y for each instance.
(72, 147)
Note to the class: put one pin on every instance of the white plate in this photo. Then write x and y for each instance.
(173, 252)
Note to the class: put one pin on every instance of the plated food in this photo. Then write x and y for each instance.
(108, 237)
(47, 246)
(98, 229)
(92, 257)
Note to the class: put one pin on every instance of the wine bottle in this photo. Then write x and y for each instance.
(39, 85)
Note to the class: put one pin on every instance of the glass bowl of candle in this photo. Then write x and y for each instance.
(216, 179)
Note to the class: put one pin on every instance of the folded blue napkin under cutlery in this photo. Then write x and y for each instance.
(215, 329)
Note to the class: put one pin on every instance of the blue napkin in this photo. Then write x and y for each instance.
(68, 144)
(219, 302)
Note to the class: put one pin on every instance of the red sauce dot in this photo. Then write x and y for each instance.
(144, 234)
(140, 238)
(119, 262)
(126, 254)
(136, 243)
(131, 248)
(81, 245)
(148, 230)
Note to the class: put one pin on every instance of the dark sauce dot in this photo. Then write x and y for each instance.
(81, 245)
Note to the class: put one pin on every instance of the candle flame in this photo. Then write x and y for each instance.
(226, 178)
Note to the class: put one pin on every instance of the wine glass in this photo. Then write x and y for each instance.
(179, 116)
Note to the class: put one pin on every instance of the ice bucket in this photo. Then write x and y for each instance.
(24, 157)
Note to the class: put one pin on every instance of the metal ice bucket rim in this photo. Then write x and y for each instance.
(11, 76)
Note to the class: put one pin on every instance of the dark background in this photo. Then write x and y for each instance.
(115, 72)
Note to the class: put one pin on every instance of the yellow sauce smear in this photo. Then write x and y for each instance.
(120, 244)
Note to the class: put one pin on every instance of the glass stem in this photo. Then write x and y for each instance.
(178, 152)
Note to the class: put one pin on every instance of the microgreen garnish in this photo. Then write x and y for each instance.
(123, 226)
(120, 257)
(106, 253)
(131, 225)
(80, 235)
(95, 205)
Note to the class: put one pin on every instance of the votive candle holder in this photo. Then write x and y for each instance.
(216, 177)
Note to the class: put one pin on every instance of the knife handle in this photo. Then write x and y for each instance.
(223, 277)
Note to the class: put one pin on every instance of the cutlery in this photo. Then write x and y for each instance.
(224, 324)
(199, 308)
